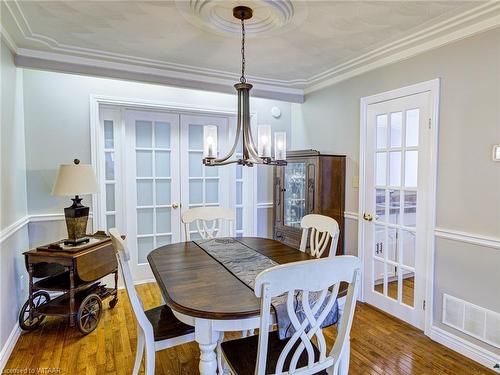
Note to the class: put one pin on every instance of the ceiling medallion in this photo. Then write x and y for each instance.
(250, 153)
(269, 16)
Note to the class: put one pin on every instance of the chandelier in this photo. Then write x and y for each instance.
(250, 153)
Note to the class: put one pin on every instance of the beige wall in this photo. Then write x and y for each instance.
(468, 193)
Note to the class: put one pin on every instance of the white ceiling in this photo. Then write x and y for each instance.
(304, 41)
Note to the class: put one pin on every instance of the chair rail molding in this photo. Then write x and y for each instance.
(351, 215)
(13, 228)
(467, 237)
(7, 232)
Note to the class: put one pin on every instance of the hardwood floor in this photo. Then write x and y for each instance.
(380, 345)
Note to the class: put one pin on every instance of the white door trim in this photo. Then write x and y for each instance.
(433, 87)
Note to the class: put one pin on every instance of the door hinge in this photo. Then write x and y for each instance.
(423, 304)
(429, 123)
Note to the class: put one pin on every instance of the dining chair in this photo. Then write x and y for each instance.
(265, 353)
(322, 229)
(208, 221)
(157, 328)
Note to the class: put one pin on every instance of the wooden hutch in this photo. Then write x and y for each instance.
(310, 183)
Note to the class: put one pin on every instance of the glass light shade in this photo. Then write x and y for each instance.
(210, 141)
(280, 146)
(264, 141)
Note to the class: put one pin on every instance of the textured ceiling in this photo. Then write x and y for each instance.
(324, 35)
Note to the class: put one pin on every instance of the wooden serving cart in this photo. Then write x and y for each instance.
(76, 272)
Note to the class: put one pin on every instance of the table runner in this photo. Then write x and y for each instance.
(245, 263)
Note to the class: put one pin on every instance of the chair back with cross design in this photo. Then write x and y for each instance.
(322, 276)
(322, 229)
(208, 221)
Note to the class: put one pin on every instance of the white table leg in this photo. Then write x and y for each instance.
(207, 339)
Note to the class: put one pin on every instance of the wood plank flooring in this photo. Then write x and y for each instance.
(380, 345)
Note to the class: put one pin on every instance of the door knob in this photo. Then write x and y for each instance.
(368, 217)
(175, 205)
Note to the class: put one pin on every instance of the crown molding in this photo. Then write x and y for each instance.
(479, 19)
(73, 59)
(8, 39)
(107, 69)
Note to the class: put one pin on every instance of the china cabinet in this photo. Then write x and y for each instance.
(310, 183)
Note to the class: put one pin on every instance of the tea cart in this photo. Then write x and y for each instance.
(76, 272)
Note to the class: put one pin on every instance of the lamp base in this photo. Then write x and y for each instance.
(76, 222)
(79, 241)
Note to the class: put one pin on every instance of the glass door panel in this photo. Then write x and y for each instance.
(295, 194)
(110, 215)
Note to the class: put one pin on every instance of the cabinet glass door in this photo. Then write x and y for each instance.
(294, 197)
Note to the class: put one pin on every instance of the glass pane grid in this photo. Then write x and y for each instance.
(156, 234)
(203, 181)
(294, 207)
(396, 165)
(157, 206)
(154, 146)
(153, 149)
(109, 174)
(152, 178)
(203, 205)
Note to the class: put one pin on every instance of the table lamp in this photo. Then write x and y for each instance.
(76, 179)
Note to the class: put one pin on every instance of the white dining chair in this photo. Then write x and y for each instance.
(322, 229)
(265, 353)
(157, 328)
(208, 220)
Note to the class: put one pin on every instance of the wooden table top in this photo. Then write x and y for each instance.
(194, 283)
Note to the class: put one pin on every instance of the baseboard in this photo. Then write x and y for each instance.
(9, 346)
(466, 348)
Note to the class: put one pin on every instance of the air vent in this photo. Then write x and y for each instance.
(471, 319)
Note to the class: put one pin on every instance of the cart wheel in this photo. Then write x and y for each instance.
(89, 313)
(39, 298)
(113, 302)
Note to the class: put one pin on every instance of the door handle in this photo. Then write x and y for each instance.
(175, 205)
(367, 217)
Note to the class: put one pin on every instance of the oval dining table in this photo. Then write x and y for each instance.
(204, 294)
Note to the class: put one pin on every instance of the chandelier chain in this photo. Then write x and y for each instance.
(242, 78)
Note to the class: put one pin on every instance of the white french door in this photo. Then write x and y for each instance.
(397, 174)
(165, 176)
(152, 189)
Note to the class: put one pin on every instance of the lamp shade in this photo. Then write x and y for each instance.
(75, 179)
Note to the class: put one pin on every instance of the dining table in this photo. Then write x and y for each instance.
(203, 293)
